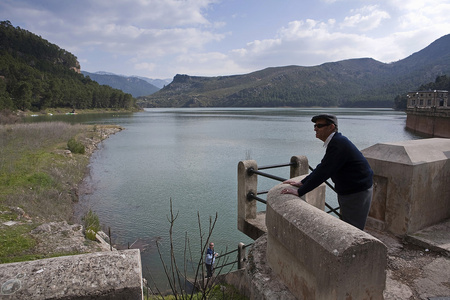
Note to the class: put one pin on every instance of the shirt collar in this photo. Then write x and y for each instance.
(327, 141)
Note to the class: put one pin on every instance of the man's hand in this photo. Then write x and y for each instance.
(290, 191)
(293, 182)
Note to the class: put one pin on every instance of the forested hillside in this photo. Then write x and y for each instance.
(35, 74)
(361, 82)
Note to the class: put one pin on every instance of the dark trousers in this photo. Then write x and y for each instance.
(355, 207)
(209, 270)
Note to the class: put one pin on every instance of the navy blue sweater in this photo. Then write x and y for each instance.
(344, 164)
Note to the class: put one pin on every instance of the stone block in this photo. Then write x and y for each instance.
(411, 189)
(111, 275)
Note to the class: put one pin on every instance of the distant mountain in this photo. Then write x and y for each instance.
(362, 82)
(132, 84)
(160, 83)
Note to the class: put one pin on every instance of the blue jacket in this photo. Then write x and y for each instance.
(344, 164)
(210, 257)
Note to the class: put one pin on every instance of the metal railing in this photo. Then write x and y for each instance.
(252, 196)
(240, 257)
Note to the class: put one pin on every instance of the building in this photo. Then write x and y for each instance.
(428, 113)
(428, 99)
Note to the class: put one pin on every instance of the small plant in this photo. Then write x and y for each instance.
(91, 225)
(40, 179)
(75, 146)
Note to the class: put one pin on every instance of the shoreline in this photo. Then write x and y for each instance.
(46, 226)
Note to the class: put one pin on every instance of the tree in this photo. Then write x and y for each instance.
(22, 95)
(400, 102)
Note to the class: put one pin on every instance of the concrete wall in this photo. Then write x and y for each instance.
(257, 281)
(428, 121)
(112, 275)
(411, 184)
(317, 256)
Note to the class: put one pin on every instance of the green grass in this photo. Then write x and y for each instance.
(91, 225)
(38, 176)
(33, 174)
(218, 292)
(15, 241)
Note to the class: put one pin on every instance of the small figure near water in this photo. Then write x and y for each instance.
(210, 259)
(346, 166)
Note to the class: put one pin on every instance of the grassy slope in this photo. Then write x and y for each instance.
(38, 180)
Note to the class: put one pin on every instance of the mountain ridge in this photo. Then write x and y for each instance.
(358, 82)
(128, 84)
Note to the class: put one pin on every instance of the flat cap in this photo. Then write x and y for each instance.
(328, 117)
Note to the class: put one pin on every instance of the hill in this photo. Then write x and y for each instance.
(36, 75)
(159, 83)
(131, 85)
(362, 82)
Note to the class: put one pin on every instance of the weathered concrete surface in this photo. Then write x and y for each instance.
(257, 281)
(417, 270)
(247, 209)
(429, 121)
(435, 238)
(110, 275)
(411, 189)
(317, 256)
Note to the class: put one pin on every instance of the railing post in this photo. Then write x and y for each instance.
(246, 184)
(241, 256)
(299, 166)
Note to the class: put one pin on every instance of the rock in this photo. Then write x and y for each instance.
(62, 238)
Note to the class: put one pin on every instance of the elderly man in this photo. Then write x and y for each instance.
(346, 166)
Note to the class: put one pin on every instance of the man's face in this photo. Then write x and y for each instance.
(211, 245)
(322, 129)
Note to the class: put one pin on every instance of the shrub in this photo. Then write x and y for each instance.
(75, 146)
(91, 224)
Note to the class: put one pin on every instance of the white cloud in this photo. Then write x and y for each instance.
(206, 64)
(365, 18)
(144, 66)
(204, 37)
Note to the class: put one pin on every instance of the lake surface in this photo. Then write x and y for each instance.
(190, 157)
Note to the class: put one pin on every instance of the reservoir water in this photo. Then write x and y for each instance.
(190, 157)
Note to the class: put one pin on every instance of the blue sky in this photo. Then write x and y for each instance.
(162, 38)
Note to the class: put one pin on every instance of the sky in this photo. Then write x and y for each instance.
(161, 38)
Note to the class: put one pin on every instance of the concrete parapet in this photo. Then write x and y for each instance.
(109, 275)
(317, 256)
(411, 184)
(251, 222)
